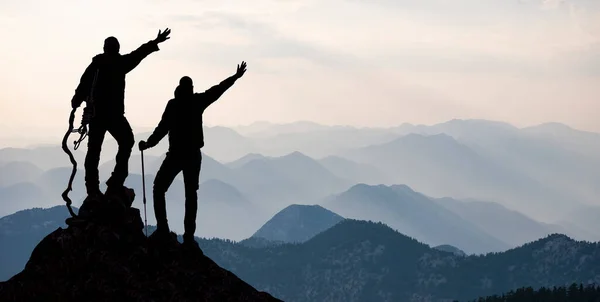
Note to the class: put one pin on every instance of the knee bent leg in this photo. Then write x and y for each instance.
(129, 143)
(159, 189)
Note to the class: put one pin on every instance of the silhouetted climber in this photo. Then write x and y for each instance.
(108, 111)
(182, 120)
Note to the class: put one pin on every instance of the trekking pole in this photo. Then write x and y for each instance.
(144, 193)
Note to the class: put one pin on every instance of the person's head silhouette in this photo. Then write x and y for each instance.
(185, 88)
(111, 45)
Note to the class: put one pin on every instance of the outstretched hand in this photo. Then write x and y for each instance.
(164, 36)
(143, 145)
(241, 69)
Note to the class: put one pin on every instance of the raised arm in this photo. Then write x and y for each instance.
(160, 131)
(215, 92)
(133, 59)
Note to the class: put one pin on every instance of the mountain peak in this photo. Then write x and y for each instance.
(359, 230)
(419, 140)
(479, 122)
(215, 190)
(245, 159)
(370, 191)
(298, 223)
(555, 237)
(553, 243)
(403, 188)
(450, 249)
(556, 128)
(221, 129)
(110, 259)
(296, 154)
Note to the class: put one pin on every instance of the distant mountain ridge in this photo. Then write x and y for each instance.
(440, 165)
(507, 225)
(547, 172)
(413, 214)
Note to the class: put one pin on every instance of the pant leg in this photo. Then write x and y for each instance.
(96, 133)
(191, 180)
(167, 172)
(120, 129)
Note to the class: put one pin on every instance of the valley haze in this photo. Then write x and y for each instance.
(492, 186)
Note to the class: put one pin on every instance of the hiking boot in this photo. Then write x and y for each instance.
(163, 235)
(95, 193)
(191, 244)
(123, 194)
(114, 190)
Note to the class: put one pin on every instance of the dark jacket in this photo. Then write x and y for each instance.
(109, 92)
(182, 119)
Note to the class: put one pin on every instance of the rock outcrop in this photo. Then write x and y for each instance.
(103, 255)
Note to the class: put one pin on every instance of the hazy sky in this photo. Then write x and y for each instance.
(360, 62)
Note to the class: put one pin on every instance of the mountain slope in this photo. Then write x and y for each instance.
(135, 165)
(507, 225)
(297, 223)
(43, 157)
(213, 169)
(54, 181)
(244, 160)
(565, 160)
(126, 266)
(220, 204)
(413, 214)
(217, 191)
(225, 144)
(573, 293)
(450, 249)
(18, 171)
(583, 142)
(441, 166)
(22, 231)
(383, 265)
(356, 172)
(280, 181)
(21, 195)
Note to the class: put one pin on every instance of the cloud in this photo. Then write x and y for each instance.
(411, 44)
(237, 36)
(421, 61)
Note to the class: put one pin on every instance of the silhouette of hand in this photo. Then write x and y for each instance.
(164, 36)
(143, 145)
(241, 69)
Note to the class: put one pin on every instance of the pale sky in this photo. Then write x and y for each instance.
(352, 62)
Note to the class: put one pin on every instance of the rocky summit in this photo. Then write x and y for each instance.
(103, 255)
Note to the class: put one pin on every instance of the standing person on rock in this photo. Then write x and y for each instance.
(182, 120)
(106, 74)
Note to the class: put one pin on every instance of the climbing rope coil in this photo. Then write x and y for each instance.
(88, 113)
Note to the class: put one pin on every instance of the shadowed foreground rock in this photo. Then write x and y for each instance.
(112, 260)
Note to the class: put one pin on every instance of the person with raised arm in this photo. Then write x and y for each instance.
(106, 75)
(182, 120)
